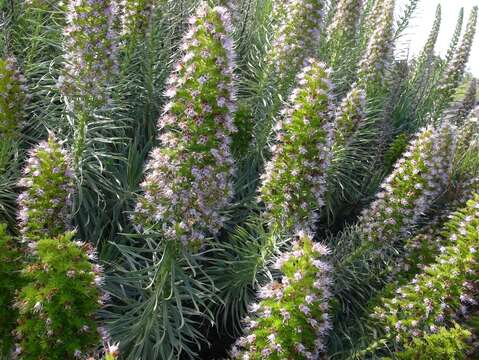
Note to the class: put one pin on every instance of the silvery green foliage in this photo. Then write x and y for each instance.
(296, 35)
(419, 177)
(90, 52)
(379, 52)
(444, 291)
(13, 96)
(455, 69)
(45, 205)
(350, 116)
(189, 178)
(295, 178)
(291, 319)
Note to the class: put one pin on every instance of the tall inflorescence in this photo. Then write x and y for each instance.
(90, 52)
(291, 320)
(427, 52)
(443, 292)
(294, 180)
(350, 116)
(9, 282)
(58, 306)
(345, 20)
(296, 36)
(344, 27)
(455, 37)
(13, 97)
(380, 48)
(189, 178)
(468, 103)
(45, 203)
(417, 180)
(468, 133)
(136, 16)
(455, 69)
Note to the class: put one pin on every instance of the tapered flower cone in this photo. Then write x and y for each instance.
(45, 205)
(294, 180)
(188, 180)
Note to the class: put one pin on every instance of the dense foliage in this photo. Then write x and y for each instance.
(251, 179)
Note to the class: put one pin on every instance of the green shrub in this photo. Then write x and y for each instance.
(444, 290)
(57, 308)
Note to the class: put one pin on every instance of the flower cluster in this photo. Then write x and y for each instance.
(57, 307)
(13, 97)
(291, 320)
(444, 291)
(445, 343)
(468, 103)
(468, 133)
(417, 180)
(379, 51)
(345, 20)
(135, 16)
(455, 69)
(294, 180)
(296, 36)
(421, 250)
(45, 205)
(350, 116)
(188, 179)
(9, 281)
(90, 52)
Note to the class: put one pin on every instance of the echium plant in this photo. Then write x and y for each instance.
(45, 204)
(90, 52)
(427, 52)
(379, 52)
(295, 37)
(455, 69)
(468, 103)
(291, 320)
(189, 178)
(9, 282)
(294, 180)
(455, 37)
(419, 177)
(58, 306)
(442, 293)
(343, 29)
(136, 16)
(13, 97)
(350, 116)
(345, 19)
